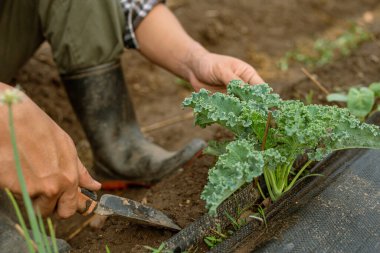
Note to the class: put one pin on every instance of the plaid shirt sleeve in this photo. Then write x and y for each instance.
(135, 11)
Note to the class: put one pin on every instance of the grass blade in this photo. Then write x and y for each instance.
(26, 198)
(21, 220)
(52, 236)
(46, 242)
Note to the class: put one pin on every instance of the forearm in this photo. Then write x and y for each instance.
(162, 40)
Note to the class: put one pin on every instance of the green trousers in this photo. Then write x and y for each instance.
(82, 33)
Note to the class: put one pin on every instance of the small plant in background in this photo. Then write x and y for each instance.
(217, 237)
(212, 241)
(39, 241)
(160, 249)
(324, 51)
(236, 223)
(360, 100)
(260, 215)
(309, 97)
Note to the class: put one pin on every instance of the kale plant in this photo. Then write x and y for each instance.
(293, 129)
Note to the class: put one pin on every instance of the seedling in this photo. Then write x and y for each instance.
(160, 249)
(236, 223)
(295, 129)
(309, 97)
(325, 51)
(260, 215)
(360, 100)
(212, 241)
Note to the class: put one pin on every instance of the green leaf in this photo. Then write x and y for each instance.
(354, 134)
(216, 108)
(215, 148)
(375, 87)
(360, 101)
(337, 97)
(239, 165)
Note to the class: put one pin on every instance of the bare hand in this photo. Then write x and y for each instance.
(214, 72)
(51, 167)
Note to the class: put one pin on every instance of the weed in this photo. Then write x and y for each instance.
(260, 215)
(212, 241)
(309, 97)
(237, 223)
(160, 249)
(324, 51)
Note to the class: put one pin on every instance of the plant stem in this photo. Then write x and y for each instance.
(266, 131)
(43, 233)
(298, 175)
(218, 233)
(260, 190)
(268, 183)
(25, 195)
(52, 236)
(26, 235)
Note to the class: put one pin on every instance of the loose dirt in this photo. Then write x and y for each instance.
(259, 32)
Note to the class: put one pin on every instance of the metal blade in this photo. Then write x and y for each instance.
(134, 211)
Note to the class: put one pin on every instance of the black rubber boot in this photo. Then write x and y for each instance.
(101, 101)
(11, 241)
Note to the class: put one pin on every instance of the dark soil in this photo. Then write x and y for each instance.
(360, 69)
(259, 32)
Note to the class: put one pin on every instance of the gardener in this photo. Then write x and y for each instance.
(87, 38)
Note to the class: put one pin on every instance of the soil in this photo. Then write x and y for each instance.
(259, 32)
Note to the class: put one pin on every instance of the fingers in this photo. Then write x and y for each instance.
(255, 79)
(68, 203)
(46, 196)
(236, 69)
(249, 75)
(212, 88)
(85, 180)
(197, 85)
(44, 205)
(229, 76)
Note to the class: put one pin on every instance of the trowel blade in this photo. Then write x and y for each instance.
(134, 211)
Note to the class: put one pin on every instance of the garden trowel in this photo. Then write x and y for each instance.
(132, 210)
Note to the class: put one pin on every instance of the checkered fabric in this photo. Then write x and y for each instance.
(135, 11)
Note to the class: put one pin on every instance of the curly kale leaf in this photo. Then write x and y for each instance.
(234, 109)
(216, 108)
(237, 166)
(351, 133)
(319, 130)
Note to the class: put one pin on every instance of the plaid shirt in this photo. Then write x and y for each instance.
(135, 11)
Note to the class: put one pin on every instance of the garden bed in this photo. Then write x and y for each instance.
(265, 31)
